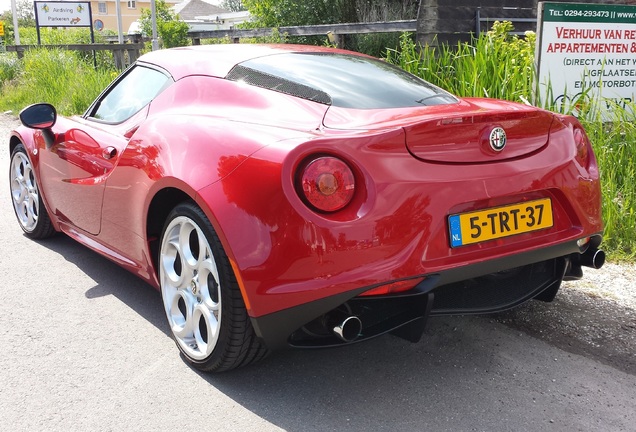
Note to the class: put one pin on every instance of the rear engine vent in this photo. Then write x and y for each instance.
(271, 82)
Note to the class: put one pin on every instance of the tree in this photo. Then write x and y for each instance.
(25, 12)
(26, 18)
(277, 13)
(233, 5)
(280, 13)
(172, 31)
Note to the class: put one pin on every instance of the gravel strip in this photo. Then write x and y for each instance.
(614, 282)
(594, 317)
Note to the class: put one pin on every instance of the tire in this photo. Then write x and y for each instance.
(25, 195)
(203, 304)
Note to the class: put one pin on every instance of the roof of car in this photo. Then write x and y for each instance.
(218, 60)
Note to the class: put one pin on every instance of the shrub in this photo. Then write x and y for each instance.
(58, 77)
(70, 36)
(497, 64)
(10, 67)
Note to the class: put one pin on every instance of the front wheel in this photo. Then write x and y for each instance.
(201, 298)
(27, 203)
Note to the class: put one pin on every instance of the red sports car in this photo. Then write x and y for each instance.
(309, 197)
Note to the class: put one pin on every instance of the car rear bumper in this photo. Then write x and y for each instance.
(489, 286)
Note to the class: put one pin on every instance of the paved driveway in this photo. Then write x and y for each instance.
(85, 348)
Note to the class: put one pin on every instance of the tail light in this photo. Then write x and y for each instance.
(327, 184)
(581, 142)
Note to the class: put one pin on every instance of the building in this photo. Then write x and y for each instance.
(188, 10)
(104, 12)
(199, 14)
(203, 16)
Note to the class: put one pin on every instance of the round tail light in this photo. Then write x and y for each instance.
(581, 145)
(327, 184)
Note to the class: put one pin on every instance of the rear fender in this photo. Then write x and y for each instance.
(161, 156)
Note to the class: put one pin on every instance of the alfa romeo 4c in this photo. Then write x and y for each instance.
(309, 197)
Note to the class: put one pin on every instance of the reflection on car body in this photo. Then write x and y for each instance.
(310, 197)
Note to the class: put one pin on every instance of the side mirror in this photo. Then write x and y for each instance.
(38, 116)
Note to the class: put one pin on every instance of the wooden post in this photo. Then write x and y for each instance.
(133, 55)
(118, 57)
(427, 22)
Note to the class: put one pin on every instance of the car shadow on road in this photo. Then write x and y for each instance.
(111, 279)
(467, 373)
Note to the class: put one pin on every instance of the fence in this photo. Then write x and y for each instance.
(127, 53)
(333, 31)
(123, 54)
(336, 31)
(488, 21)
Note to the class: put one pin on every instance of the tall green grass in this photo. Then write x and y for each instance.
(501, 65)
(55, 76)
(615, 148)
(10, 67)
(495, 65)
(60, 36)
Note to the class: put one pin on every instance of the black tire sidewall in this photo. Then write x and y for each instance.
(227, 283)
(43, 227)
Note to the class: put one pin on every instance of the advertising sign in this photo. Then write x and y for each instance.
(586, 55)
(62, 14)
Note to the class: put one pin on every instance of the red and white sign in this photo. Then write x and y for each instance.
(586, 55)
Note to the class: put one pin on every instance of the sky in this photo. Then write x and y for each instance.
(5, 5)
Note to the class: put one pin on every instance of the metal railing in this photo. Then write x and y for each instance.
(479, 20)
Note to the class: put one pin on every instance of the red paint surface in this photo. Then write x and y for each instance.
(236, 149)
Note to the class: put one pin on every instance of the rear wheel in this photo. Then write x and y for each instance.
(201, 298)
(27, 203)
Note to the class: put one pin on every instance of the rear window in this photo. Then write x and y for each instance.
(340, 80)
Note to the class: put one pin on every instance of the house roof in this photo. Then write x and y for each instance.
(190, 9)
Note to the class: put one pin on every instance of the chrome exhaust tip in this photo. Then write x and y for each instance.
(594, 258)
(349, 329)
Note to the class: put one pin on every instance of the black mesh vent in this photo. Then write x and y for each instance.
(271, 82)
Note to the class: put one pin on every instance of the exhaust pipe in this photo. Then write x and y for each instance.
(349, 329)
(594, 258)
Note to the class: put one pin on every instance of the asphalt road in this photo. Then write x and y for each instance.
(85, 348)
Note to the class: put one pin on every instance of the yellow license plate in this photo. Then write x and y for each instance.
(498, 222)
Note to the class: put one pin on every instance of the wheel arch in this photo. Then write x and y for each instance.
(24, 136)
(14, 141)
(159, 208)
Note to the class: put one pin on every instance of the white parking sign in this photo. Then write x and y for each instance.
(62, 14)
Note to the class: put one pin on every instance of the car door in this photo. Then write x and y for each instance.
(76, 166)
